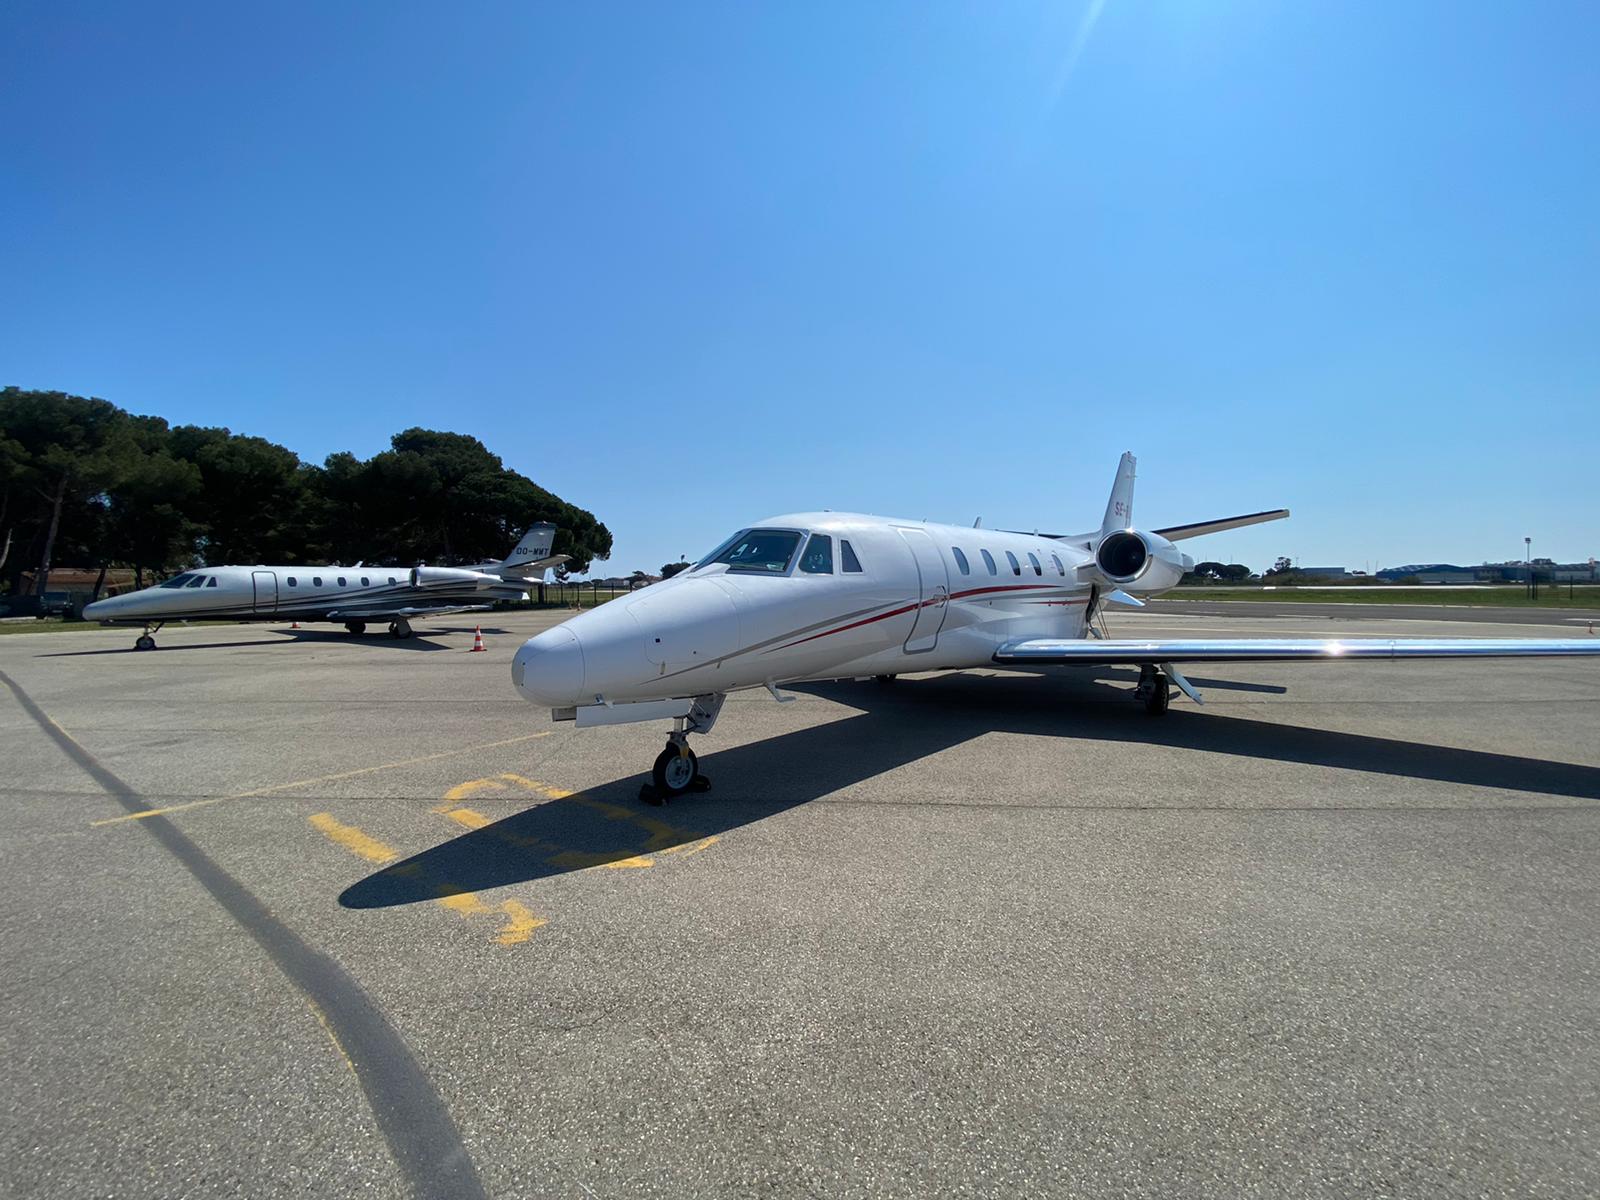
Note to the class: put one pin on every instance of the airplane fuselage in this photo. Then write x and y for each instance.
(897, 596)
(305, 593)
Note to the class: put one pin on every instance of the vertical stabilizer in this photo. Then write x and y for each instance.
(532, 547)
(1119, 509)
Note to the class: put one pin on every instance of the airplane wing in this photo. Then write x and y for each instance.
(391, 612)
(1155, 652)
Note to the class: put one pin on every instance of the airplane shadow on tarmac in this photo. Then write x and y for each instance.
(899, 725)
(420, 641)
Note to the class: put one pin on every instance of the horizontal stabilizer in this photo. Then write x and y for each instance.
(1136, 652)
(531, 572)
(1176, 533)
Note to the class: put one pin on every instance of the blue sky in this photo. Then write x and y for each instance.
(688, 265)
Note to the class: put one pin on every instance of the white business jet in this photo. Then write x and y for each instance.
(825, 595)
(352, 596)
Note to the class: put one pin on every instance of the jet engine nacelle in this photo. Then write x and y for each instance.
(1141, 562)
(431, 577)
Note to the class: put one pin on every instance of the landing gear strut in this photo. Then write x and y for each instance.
(1153, 691)
(144, 640)
(676, 769)
(398, 628)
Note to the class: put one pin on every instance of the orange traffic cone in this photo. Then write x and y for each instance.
(477, 640)
(294, 625)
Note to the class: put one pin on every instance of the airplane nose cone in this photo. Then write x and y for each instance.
(101, 610)
(549, 668)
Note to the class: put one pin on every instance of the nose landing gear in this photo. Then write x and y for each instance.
(676, 771)
(144, 640)
(676, 768)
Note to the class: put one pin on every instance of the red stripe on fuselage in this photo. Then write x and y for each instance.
(1009, 587)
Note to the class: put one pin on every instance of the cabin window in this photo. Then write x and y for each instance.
(850, 564)
(1060, 570)
(211, 582)
(365, 582)
(316, 581)
(961, 560)
(988, 561)
(1034, 559)
(818, 558)
(196, 581)
(761, 551)
(178, 581)
(341, 581)
(391, 579)
(293, 582)
(1016, 567)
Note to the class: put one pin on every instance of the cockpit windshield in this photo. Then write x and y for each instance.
(764, 551)
(178, 581)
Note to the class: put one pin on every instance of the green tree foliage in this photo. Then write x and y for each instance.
(150, 509)
(63, 451)
(85, 484)
(445, 497)
(255, 496)
(671, 569)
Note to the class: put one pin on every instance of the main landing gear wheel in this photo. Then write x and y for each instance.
(145, 642)
(885, 678)
(357, 627)
(400, 628)
(1153, 691)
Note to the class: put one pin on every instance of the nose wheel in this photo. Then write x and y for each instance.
(145, 641)
(676, 771)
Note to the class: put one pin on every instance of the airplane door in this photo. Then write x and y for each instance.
(266, 585)
(935, 585)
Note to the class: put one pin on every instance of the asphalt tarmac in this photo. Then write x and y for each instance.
(304, 914)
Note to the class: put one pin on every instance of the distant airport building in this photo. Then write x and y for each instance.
(1325, 572)
(1547, 570)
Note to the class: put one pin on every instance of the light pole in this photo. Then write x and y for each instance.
(1527, 560)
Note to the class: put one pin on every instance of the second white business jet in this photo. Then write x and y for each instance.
(352, 596)
(825, 595)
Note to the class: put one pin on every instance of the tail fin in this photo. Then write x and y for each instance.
(533, 547)
(1119, 508)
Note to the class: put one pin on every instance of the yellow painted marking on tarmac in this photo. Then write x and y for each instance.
(462, 790)
(335, 777)
(322, 1019)
(458, 900)
(534, 786)
(663, 838)
(689, 848)
(353, 839)
(519, 925)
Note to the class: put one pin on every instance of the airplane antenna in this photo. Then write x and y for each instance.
(978, 524)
